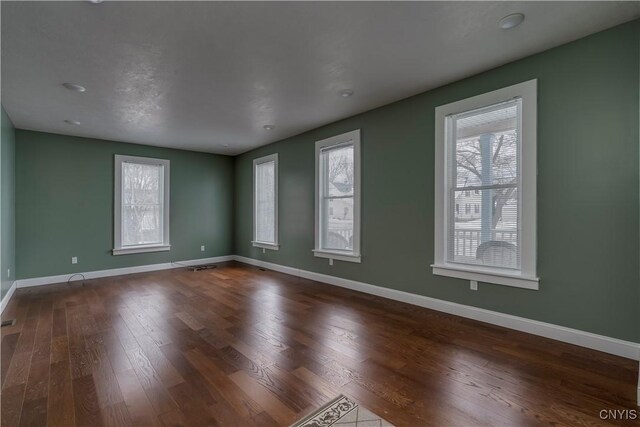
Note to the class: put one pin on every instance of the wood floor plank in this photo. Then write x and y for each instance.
(265, 398)
(138, 405)
(8, 345)
(85, 399)
(241, 346)
(60, 410)
(11, 405)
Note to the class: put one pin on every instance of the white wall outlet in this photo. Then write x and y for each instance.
(264, 251)
(74, 260)
(202, 248)
(330, 261)
(8, 273)
(473, 285)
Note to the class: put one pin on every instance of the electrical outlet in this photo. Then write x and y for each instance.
(473, 285)
(202, 248)
(8, 272)
(330, 261)
(74, 260)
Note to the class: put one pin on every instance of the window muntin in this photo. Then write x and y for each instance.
(141, 216)
(265, 202)
(338, 197)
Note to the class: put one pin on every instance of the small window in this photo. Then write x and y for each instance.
(338, 197)
(141, 216)
(486, 155)
(265, 202)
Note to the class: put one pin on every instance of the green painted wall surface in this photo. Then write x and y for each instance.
(7, 203)
(588, 245)
(64, 204)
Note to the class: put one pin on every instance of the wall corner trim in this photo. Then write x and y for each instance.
(62, 278)
(7, 297)
(628, 349)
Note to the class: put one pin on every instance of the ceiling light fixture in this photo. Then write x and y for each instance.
(511, 21)
(74, 87)
(346, 93)
(269, 127)
(95, 1)
(72, 122)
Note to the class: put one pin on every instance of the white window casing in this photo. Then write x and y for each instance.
(141, 205)
(469, 135)
(337, 197)
(265, 202)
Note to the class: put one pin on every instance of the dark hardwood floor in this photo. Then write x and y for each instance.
(239, 346)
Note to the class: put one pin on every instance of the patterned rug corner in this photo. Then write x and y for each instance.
(342, 412)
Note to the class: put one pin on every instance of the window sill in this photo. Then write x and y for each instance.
(487, 276)
(339, 256)
(266, 246)
(141, 249)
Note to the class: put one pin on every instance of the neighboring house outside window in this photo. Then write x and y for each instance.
(486, 157)
(337, 233)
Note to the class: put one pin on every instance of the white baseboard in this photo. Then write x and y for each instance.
(39, 281)
(7, 297)
(603, 343)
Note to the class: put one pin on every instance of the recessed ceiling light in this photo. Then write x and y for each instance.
(95, 1)
(346, 93)
(72, 122)
(269, 127)
(226, 145)
(74, 87)
(511, 21)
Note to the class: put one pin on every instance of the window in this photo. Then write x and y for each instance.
(338, 197)
(486, 155)
(265, 202)
(141, 215)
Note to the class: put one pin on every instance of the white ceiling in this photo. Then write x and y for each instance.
(203, 75)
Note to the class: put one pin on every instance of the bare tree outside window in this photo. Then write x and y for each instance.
(142, 195)
(486, 176)
(339, 197)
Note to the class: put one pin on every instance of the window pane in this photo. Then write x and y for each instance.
(339, 171)
(141, 184)
(142, 196)
(141, 225)
(265, 202)
(484, 223)
(338, 227)
(487, 232)
(486, 146)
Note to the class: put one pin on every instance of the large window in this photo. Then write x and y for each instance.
(141, 205)
(486, 158)
(338, 197)
(265, 202)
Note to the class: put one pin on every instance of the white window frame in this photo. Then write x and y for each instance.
(255, 242)
(526, 277)
(118, 248)
(352, 137)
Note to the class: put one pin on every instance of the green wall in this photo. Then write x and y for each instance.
(7, 204)
(64, 204)
(588, 231)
